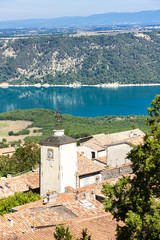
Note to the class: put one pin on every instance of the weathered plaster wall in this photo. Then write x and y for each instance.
(49, 171)
(117, 154)
(68, 165)
(86, 151)
(88, 179)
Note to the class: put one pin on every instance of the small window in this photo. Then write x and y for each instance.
(93, 155)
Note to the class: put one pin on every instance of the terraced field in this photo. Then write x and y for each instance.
(15, 126)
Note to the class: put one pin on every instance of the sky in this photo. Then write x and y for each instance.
(36, 9)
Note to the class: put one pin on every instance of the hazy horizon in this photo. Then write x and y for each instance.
(43, 9)
(72, 16)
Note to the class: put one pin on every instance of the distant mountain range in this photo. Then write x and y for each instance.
(106, 19)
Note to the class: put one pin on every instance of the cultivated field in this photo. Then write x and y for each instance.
(15, 126)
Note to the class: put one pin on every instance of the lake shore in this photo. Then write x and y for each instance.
(76, 85)
(82, 101)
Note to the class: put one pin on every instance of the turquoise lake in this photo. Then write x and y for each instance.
(83, 101)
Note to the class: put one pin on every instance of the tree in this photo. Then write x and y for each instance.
(134, 200)
(27, 155)
(24, 159)
(85, 235)
(19, 198)
(63, 233)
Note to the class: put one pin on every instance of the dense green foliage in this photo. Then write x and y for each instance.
(63, 233)
(17, 199)
(135, 200)
(12, 144)
(21, 132)
(15, 143)
(75, 126)
(124, 58)
(24, 159)
(3, 144)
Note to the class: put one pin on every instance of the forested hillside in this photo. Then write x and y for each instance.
(75, 126)
(124, 58)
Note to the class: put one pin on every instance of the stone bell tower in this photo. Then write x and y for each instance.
(58, 164)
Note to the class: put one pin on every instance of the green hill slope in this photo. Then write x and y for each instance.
(75, 126)
(124, 58)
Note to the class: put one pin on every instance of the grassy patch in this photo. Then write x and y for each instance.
(3, 124)
(3, 134)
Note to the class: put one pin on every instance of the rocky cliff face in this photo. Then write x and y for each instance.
(124, 58)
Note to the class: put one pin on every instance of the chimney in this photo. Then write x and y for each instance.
(131, 134)
(77, 195)
(97, 180)
(93, 194)
(87, 195)
(84, 194)
(45, 201)
(58, 132)
(51, 197)
(10, 222)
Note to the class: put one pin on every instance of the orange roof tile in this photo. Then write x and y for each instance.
(99, 141)
(102, 159)
(24, 182)
(87, 166)
(136, 140)
(102, 227)
(7, 150)
(86, 210)
(94, 144)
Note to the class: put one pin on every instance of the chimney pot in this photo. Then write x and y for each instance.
(10, 221)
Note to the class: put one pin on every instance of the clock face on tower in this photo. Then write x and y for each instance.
(50, 153)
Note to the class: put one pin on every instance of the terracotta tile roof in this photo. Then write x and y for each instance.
(122, 136)
(99, 141)
(25, 182)
(102, 227)
(46, 216)
(136, 140)
(86, 166)
(42, 216)
(43, 234)
(94, 144)
(103, 139)
(7, 150)
(102, 159)
(87, 213)
(38, 203)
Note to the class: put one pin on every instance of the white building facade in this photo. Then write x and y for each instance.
(58, 165)
(117, 154)
(91, 153)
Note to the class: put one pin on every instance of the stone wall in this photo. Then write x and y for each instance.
(116, 172)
